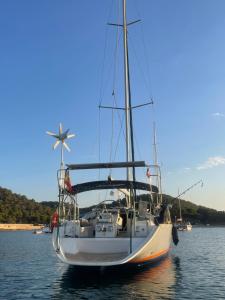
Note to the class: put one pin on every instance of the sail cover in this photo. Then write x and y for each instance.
(108, 165)
(114, 184)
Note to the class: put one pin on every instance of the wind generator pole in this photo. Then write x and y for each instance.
(61, 137)
(62, 171)
(62, 158)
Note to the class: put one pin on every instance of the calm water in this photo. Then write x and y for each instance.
(195, 269)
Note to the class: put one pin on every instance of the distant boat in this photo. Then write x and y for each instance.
(188, 226)
(38, 231)
(180, 224)
(46, 229)
(184, 226)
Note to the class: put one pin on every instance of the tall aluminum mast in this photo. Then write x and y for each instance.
(127, 92)
(129, 122)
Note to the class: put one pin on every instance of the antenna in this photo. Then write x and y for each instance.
(60, 138)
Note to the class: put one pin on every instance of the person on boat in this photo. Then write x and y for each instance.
(164, 214)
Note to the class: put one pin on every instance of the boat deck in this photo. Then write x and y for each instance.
(95, 257)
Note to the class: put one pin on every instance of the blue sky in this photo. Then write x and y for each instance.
(52, 58)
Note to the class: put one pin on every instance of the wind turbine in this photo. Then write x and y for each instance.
(60, 138)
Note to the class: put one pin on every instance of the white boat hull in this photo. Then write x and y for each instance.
(185, 227)
(189, 227)
(113, 251)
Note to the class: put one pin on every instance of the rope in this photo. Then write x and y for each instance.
(114, 85)
(99, 146)
(118, 140)
(145, 50)
(140, 67)
(104, 57)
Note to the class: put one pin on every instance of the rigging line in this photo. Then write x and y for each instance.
(140, 154)
(108, 79)
(131, 123)
(119, 114)
(119, 35)
(145, 49)
(101, 88)
(111, 64)
(111, 143)
(120, 118)
(131, 138)
(140, 67)
(114, 82)
(137, 146)
(99, 141)
(116, 51)
(104, 56)
(118, 139)
(121, 130)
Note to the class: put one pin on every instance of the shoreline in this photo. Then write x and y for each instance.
(11, 227)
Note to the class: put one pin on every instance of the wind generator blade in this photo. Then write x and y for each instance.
(60, 128)
(56, 144)
(66, 131)
(69, 136)
(66, 146)
(51, 133)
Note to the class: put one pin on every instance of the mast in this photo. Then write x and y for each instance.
(129, 122)
(127, 92)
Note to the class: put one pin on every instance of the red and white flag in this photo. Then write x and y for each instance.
(148, 174)
(67, 183)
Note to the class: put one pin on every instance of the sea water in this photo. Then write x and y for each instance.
(195, 269)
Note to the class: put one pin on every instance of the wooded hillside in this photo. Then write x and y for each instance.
(15, 208)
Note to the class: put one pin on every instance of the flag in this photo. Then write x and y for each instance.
(55, 220)
(67, 183)
(148, 173)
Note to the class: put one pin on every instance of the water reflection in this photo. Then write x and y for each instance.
(146, 282)
(29, 269)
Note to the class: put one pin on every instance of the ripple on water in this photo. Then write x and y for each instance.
(29, 269)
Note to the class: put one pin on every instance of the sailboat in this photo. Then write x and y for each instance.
(180, 224)
(134, 229)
